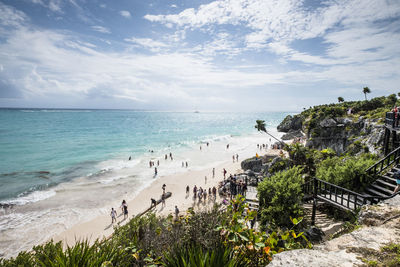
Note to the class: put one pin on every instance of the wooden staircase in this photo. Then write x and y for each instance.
(384, 170)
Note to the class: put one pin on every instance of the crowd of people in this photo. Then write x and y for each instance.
(199, 194)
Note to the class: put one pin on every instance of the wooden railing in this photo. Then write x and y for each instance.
(383, 164)
(335, 195)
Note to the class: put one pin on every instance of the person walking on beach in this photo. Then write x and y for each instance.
(166, 157)
(130, 158)
(155, 171)
(158, 163)
(176, 212)
(214, 192)
(187, 190)
(227, 146)
(195, 192)
(125, 209)
(163, 188)
(170, 155)
(186, 164)
(213, 172)
(224, 171)
(233, 158)
(163, 200)
(113, 215)
(237, 157)
(183, 164)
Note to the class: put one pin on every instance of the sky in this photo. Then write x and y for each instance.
(224, 55)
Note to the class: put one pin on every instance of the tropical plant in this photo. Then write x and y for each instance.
(195, 255)
(366, 91)
(280, 197)
(340, 99)
(260, 126)
(348, 172)
(254, 247)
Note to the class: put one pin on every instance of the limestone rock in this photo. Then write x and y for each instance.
(328, 123)
(252, 164)
(345, 250)
(292, 134)
(290, 123)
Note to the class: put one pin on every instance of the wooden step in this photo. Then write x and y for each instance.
(384, 183)
(374, 193)
(382, 189)
(397, 168)
(389, 179)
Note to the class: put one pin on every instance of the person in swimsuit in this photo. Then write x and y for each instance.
(113, 215)
(125, 209)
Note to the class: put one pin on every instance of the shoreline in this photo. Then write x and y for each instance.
(101, 227)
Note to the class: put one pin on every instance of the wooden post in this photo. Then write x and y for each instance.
(314, 207)
(386, 142)
(394, 140)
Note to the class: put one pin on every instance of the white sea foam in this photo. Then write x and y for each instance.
(35, 196)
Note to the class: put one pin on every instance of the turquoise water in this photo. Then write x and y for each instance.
(59, 168)
(41, 148)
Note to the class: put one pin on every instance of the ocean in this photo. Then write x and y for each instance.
(60, 167)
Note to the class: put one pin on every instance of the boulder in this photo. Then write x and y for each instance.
(329, 122)
(314, 234)
(253, 164)
(292, 134)
(290, 123)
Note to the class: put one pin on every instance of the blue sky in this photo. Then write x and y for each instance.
(243, 55)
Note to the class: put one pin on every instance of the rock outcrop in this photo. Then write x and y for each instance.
(340, 133)
(293, 123)
(292, 134)
(252, 164)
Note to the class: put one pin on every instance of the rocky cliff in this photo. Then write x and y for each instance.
(339, 133)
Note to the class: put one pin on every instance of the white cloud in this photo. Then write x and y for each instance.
(147, 43)
(9, 16)
(101, 29)
(125, 13)
(53, 5)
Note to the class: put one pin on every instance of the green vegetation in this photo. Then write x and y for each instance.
(281, 197)
(375, 108)
(340, 99)
(387, 256)
(346, 171)
(215, 238)
(366, 91)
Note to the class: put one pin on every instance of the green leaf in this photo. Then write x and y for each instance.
(260, 245)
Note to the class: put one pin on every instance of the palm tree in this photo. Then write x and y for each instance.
(366, 91)
(260, 126)
(340, 99)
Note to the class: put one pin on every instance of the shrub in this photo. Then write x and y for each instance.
(348, 172)
(280, 197)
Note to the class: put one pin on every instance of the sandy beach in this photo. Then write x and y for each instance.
(176, 184)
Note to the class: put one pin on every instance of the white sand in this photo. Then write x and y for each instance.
(176, 184)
